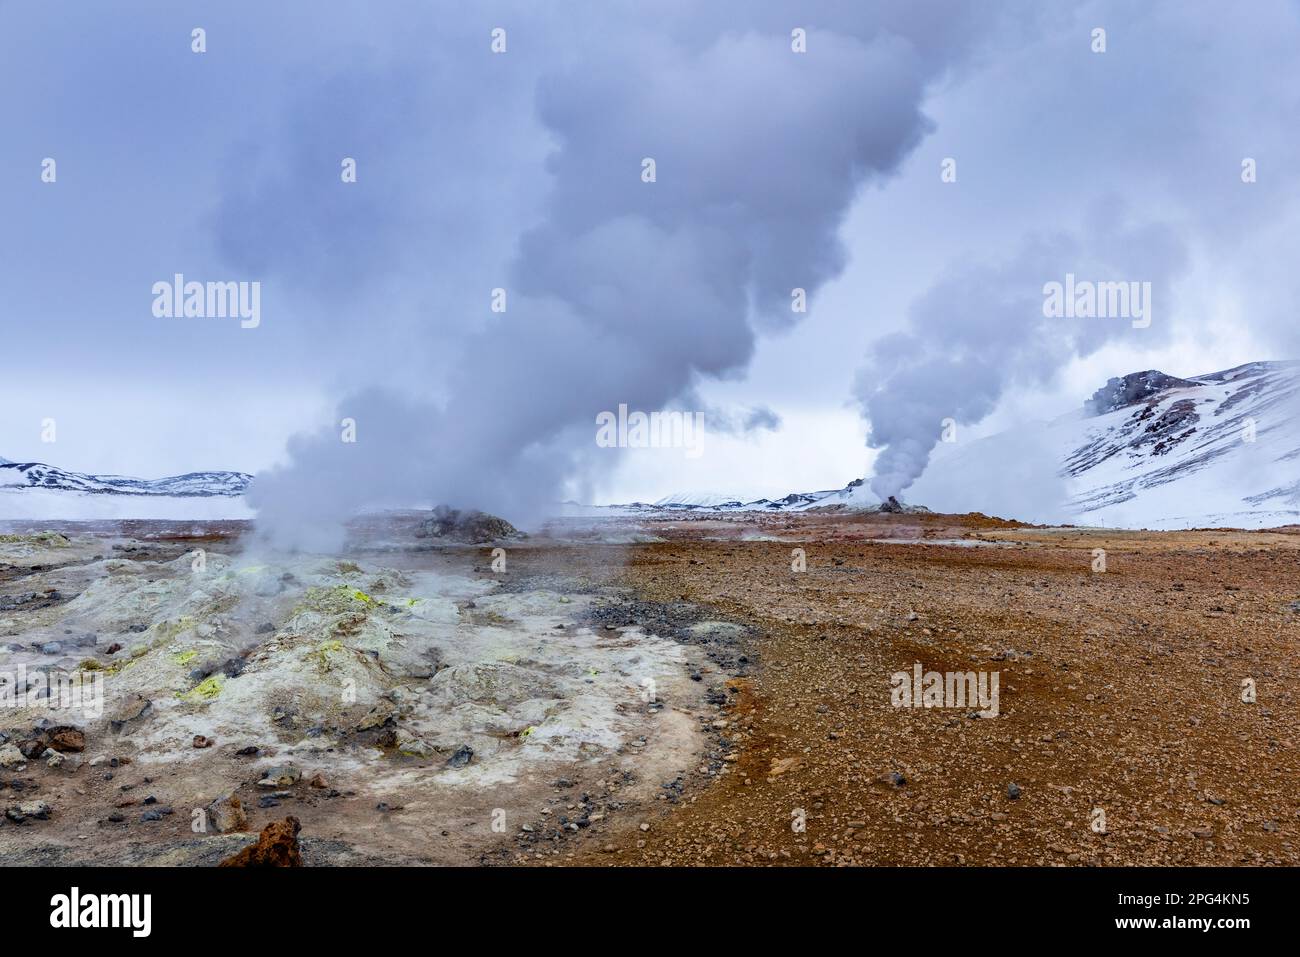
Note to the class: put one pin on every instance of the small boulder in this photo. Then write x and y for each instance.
(280, 776)
(461, 757)
(377, 717)
(130, 713)
(28, 811)
(11, 757)
(226, 814)
(66, 738)
(277, 846)
(414, 747)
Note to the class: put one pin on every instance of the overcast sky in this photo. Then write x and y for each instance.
(523, 170)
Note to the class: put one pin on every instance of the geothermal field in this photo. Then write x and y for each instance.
(447, 449)
(652, 690)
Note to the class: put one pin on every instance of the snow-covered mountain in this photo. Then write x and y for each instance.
(1147, 450)
(34, 491)
(22, 475)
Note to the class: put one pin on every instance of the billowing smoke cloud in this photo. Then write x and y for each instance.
(1047, 128)
(624, 291)
(982, 330)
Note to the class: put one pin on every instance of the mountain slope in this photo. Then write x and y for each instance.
(1148, 450)
(24, 475)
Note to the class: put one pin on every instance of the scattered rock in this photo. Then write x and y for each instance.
(202, 741)
(1013, 791)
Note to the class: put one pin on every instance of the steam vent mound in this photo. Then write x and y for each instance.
(469, 528)
(895, 507)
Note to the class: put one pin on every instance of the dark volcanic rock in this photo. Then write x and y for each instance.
(470, 528)
(462, 756)
(1133, 388)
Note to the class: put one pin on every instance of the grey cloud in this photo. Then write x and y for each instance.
(741, 422)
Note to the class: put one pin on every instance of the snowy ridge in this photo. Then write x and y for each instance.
(24, 475)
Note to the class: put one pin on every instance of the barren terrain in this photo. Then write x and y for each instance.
(681, 695)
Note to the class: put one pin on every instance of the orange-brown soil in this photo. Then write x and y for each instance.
(1121, 695)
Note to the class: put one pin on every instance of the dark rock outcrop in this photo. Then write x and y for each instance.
(468, 528)
(1119, 393)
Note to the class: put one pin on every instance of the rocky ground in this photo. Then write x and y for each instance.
(1122, 738)
(682, 691)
